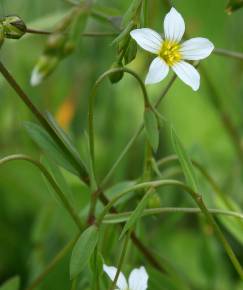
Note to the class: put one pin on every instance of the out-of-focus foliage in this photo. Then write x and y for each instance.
(234, 5)
(33, 225)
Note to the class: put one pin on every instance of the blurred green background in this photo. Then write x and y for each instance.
(33, 226)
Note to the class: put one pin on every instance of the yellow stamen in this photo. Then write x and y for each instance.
(170, 52)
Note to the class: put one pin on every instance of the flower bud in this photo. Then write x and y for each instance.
(14, 27)
(116, 76)
(131, 52)
(55, 42)
(45, 65)
(154, 200)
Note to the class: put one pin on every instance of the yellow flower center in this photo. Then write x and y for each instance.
(170, 52)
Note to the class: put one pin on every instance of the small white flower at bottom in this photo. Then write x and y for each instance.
(138, 279)
(171, 53)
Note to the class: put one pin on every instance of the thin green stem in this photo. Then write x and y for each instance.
(53, 183)
(84, 34)
(165, 91)
(218, 51)
(91, 119)
(121, 261)
(52, 264)
(198, 200)
(228, 53)
(145, 13)
(46, 125)
(135, 136)
(123, 217)
(96, 279)
(157, 183)
(147, 162)
(43, 121)
(94, 92)
(137, 242)
(204, 172)
(121, 156)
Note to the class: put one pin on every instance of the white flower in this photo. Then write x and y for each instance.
(138, 279)
(171, 53)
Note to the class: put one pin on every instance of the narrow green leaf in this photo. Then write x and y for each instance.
(83, 250)
(131, 52)
(46, 143)
(60, 180)
(87, 160)
(42, 224)
(79, 23)
(11, 284)
(233, 225)
(133, 8)
(64, 137)
(96, 263)
(137, 213)
(184, 161)
(151, 128)
(123, 36)
(234, 5)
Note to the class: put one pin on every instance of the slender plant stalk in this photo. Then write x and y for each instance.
(136, 241)
(45, 124)
(209, 179)
(218, 51)
(165, 91)
(94, 92)
(121, 261)
(84, 34)
(96, 274)
(91, 120)
(38, 280)
(148, 184)
(121, 156)
(123, 217)
(198, 200)
(204, 172)
(147, 170)
(228, 53)
(53, 183)
(135, 136)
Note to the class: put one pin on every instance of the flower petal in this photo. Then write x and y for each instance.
(196, 48)
(138, 279)
(158, 70)
(148, 39)
(36, 77)
(174, 26)
(121, 281)
(188, 74)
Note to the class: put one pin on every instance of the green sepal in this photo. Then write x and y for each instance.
(185, 161)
